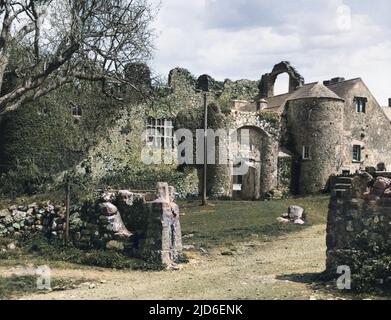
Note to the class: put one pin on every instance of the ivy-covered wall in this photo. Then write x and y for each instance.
(105, 143)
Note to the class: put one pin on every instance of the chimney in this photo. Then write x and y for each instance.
(333, 81)
(389, 102)
(239, 104)
(262, 104)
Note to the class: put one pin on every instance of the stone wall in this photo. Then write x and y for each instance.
(359, 226)
(317, 124)
(367, 129)
(140, 225)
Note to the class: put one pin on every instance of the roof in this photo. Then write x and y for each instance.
(343, 87)
(387, 111)
(313, 90)
(284, 153)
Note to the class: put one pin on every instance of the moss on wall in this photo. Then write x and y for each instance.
(43, 139)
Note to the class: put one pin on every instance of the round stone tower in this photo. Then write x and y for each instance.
(314, 116)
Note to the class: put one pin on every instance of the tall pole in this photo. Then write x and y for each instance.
(68, 205)
(204, 198)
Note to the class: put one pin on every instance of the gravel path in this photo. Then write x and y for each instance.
(257, 270)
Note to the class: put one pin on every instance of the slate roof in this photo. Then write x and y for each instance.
(310, 90)
(342, 88)
(313, 90)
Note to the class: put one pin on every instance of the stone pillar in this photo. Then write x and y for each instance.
(269, 165)
(163, 243)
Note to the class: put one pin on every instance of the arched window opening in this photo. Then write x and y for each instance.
(281, 86)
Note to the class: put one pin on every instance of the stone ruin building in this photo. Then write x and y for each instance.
(297, 140)
(301, 138)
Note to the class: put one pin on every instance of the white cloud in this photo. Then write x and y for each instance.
(245, 38)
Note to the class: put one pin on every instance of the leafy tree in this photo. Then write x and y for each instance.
(45, 44)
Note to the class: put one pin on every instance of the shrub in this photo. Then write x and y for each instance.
(57, 251)
(24, 179)
(146, 177)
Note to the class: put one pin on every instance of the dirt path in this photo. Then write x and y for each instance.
(257, 270)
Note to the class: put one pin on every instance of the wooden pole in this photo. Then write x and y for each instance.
(204, 195)
(68, 204)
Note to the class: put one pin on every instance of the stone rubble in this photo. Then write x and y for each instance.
(295, 214)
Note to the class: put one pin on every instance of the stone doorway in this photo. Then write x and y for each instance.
(247, 186)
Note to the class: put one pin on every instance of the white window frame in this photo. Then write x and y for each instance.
(160, 134)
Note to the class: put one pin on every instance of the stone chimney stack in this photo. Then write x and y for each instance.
(261, 105)
(389, 102)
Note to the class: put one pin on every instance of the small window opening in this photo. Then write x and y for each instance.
(77, 111)
(306, 153)
(361, 105)
(356, 153)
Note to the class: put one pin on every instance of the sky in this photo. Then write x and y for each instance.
(243, 39)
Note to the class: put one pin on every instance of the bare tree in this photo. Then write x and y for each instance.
(45, 44)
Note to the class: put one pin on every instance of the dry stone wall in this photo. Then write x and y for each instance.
(359, 227)
(140, 225)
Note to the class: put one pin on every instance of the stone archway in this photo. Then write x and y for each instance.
(261, 157)
(247, 186)
(268, 80)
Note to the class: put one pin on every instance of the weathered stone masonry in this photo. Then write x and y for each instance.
(359, 222)
(140, 225)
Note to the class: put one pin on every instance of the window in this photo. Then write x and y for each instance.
(361, 104)
(356, 153)
(306, 153)
(160, 133)
(76, 111)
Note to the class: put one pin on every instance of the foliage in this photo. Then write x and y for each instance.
(271, 117)
(25, 178)
(284, 173)
(70, 41)
(370, 274)
(57, 251)
(238, 90)
(145, 178)
(43, 139)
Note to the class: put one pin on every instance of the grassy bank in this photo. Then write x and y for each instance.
(224, 222)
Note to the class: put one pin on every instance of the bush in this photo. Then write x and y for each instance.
(24, 179)
(146, 177)
(370, 274)
(58, 252)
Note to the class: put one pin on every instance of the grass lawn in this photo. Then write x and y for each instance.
(225, 222)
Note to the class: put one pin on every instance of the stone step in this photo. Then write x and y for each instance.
(342, 186)
(340, 193)
(344, 180)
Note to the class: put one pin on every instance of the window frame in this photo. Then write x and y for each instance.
(160, 134)
(306, 153)
(361, 104)
(357, 154)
